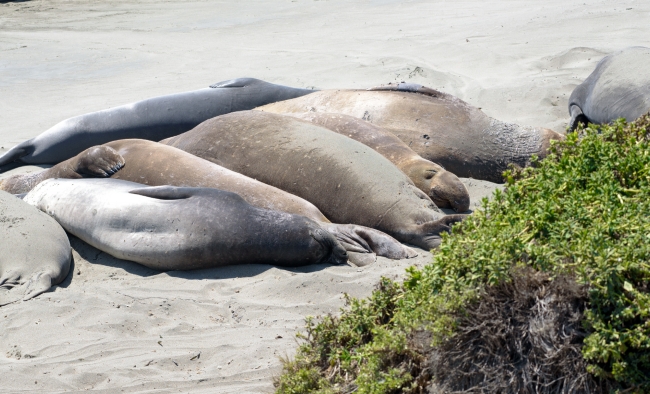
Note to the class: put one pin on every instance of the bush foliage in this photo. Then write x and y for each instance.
(582, 212)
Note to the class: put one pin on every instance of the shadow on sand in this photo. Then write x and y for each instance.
(95, 256)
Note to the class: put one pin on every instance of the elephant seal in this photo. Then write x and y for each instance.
(437, 126)
(36, 252)
(348, 181)
(152, 119)
(443, 187)
(619, 87)
(181, 228)
(154, 164)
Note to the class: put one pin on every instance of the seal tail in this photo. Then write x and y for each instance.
(11, 158)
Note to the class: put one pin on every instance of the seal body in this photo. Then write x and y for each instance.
(153, 119)
(172, 228)
(348, 181)
(443, 187)
(437, 126)
(154, 164)
(619, 87)
(35, 251)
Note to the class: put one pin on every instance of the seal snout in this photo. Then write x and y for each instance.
(548, 135)
(447, 191)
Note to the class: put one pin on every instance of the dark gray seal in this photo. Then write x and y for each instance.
(177, 228)
(35, 252)
(619, 87)
(437, 126)
(152, 119)
(348, 181)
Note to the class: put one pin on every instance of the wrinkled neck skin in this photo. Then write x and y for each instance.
(444, 188)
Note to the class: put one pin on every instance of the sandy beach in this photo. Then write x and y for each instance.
(115, 326)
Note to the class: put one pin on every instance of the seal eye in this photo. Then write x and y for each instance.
(430, 174)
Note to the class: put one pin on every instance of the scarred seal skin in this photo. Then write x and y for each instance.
(154, 164)
(152, 119)
(348, 181)
(443, 187)
(35, 252)
(619, 87)
(437, 126)
(178, 228)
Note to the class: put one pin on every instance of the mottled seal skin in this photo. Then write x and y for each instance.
(154, 164)
(619, 87)
(348, 181)
(177, 228)
(437, 126)
(153, 119)
(443, 187)
(35, 252)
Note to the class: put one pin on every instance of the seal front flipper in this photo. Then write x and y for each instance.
(412, 88)
(98, 161)
(165, 192)
(577, 117)
(235, 83)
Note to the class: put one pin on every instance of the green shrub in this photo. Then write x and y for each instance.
(581, 212)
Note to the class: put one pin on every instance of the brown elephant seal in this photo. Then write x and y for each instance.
(443, 187)
(178, 228)
(154, 164)
(348, 181)
(437, 126)
(619, 87)
(35, 251)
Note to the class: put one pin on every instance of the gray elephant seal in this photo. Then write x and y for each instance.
(443, 187)
(437, 126)
(153, 119)
(177, 228)
(35, 253)
(348, 181)
(619, 87)
(154, 164)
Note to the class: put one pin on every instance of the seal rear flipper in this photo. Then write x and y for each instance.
(429, 235)
(360, 239)
(12, 290)
(165, 192)
(577, 117)
(361, 259)
(39, 283)
(10, 159)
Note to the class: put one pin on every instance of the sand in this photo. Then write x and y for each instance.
(114, 326)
